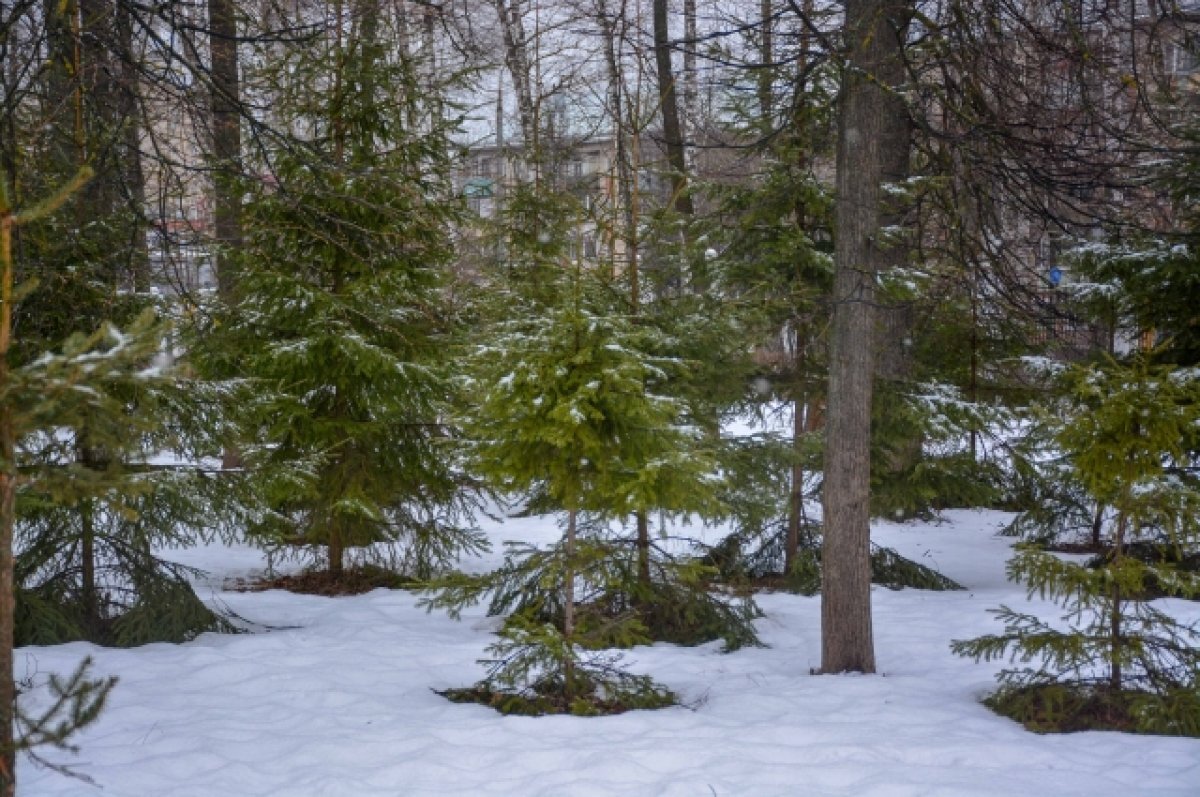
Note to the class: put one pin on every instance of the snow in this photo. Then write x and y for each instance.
(333, 696)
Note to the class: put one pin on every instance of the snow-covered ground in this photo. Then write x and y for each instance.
(334, 697)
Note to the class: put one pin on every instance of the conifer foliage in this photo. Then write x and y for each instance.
(340, 317)
(25, 396)
(1116, 660)
(569, 410)
(113, 461)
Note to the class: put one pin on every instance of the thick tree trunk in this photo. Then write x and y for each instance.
(225, 119)
(873, 48)
(59, 100)
(224, 99)
(673, 143)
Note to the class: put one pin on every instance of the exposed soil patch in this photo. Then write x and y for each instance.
(353, 581)
(537, 705)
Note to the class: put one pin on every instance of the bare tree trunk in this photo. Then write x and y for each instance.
(643, 549)
(1114, 629)
(873, 46)
(429, 45)
(681, 198)
(691, 83)
(624, 169)
(224, 99)
(791, 545)
(569, 605)
(337, 553)
(133, 178)
(516, 58)
(766, 99)
(224, 105)
(8, 492)
(91, 460)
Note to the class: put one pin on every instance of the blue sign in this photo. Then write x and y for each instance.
(1055, 275)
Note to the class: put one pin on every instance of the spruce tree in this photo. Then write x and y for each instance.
(567, 411)
(773, 249)
(26, 393)
(122, 479)
(340, 316)
(773, 246)
(1126, 432)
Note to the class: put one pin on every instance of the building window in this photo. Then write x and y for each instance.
(1181, 57)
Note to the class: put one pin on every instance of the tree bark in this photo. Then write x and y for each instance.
(8, 491)
(668, 100)
(1116, 642)
(569, 605)
(766, 99)
(516, 58)
(134, 178)
(337, 553)
(625, 223)
(873, 48)
(643, 550)
(224, 103)
(691, 87)
(225, 121)
(791, 545)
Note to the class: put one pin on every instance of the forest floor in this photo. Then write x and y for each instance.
(334, 696)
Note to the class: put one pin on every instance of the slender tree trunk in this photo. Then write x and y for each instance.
(516, 58)
(691, 85)
(1097, 526)
(9, 220)
(873, 46)
(569, 605)
(681, 198)
(973, 379)
(432, 66)
(625, 220)
(8, 491)
(133, 177)
(766, 70)
(93, 459)
(87, 563)
(1114, 629)
(628, 236)
(643, 550)
(791, 547)
(895, 319)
